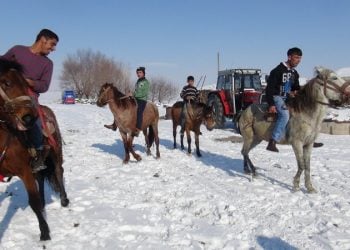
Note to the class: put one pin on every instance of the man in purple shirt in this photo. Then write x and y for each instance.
(37, 70)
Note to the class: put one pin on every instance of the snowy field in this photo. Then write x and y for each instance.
(181, 201)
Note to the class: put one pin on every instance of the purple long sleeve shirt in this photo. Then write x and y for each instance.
(35, 67)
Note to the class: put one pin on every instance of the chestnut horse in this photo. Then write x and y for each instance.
(18, 111)
(197, 114)
(307, 111)
(124, 110)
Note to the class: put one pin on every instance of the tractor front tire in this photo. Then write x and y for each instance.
(218, 110)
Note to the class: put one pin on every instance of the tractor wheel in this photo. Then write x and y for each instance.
(218, 110)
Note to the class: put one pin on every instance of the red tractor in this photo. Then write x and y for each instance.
(235, 90)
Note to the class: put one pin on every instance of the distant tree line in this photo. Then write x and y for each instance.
(85, 71)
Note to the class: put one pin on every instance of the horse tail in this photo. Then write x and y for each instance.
(150, 135)
(49, 175)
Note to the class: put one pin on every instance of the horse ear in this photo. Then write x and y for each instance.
(319, 70)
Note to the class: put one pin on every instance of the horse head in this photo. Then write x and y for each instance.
(17, 108)
(105, 94)
(208, 117)
(335, 88)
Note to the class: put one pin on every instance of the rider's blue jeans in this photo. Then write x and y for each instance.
(282, 118)
(35, 135)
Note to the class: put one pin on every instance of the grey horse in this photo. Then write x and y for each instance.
(307, 111)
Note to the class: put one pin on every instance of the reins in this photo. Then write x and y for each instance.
(333, 87)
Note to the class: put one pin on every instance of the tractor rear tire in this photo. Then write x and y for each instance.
(218, 110)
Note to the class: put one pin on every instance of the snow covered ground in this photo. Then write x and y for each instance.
(181, 201)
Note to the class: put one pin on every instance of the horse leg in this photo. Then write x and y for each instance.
(174, 133)
(126, 148)
(156, 139)
(36, 203)
(196, 140)
(188, 135)
(307, 153)
(148, 150)
(131, 149)
(182, 141)
(248, 143)
(41, 187)
(298, 151)
(60, 180)
(246, 168)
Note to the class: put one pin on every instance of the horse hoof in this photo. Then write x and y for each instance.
(44, 237)
(199, 154)
(158, 156)
(296, 189)
(64, 202)
(138, 158)
(247, 171)
(311, 191)
(125, 161)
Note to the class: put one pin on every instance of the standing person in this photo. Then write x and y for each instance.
(283, 82)
(189, 93)
(141, 95)
(37, 70)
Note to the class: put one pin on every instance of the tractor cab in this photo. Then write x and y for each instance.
(236, 89)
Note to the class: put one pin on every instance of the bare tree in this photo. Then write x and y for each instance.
(86, 70)
(162, 90)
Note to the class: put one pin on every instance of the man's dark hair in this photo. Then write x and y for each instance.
(143, 69)
(47, 34)
(190, 78)
(294, 51)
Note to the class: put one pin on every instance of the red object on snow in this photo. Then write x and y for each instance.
(2, 178)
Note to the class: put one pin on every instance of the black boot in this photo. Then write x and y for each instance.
(113, 126)
(317, 144)
(38, 162)
(272, 146)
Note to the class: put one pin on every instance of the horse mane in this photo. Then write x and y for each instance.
(121, 99)
(6, 65)
(306, 98)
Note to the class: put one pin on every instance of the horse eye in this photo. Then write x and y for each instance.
(6, 82)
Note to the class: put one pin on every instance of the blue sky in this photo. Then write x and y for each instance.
(174, 39)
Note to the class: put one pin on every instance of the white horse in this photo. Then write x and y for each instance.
(307, 111)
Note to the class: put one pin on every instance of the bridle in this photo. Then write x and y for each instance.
(111, 99)
(330, 85)
(104, 93)
(10, 105)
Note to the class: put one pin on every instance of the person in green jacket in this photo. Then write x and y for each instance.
(141, 95)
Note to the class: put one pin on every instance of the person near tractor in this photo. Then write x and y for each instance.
(37, 70)
(189, 94)
(283, 83)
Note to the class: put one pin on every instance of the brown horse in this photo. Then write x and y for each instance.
(17, 112)
(197, 114)
(124, 110)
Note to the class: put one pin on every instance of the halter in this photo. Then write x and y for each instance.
(11, 104)
(328, 84)
(111, 99)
